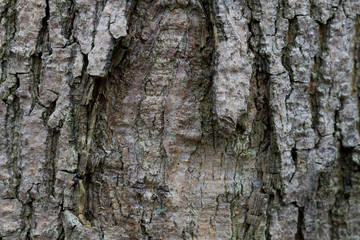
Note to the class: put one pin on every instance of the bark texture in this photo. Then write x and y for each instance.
(179, 119)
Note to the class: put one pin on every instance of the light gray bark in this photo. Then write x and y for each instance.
(179, 119)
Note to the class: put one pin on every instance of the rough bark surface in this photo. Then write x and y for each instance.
(179, 119)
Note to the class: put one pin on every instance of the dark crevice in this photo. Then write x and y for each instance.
(62, 234)
(355, 81)
(78, 106)
(313, 93)
(300, 222)
(295, 160)
(43, 44)
(217, 22)
(55, 135)
(12, 134)
(268, 216)
(52, 142)
(246, 229)
(36, 60)
(267, 163)
(316, 76)
(347, 172)
(29, 217)
(98, 85)
(294, 156)
(240, 128)
(69, 20)
(208, 122)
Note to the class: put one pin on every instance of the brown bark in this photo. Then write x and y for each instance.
(179, 119)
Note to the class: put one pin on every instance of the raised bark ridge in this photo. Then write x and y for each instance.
(179, 119)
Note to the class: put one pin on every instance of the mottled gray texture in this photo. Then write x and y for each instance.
(179, 119)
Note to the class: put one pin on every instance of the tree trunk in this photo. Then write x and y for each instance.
(179, 119)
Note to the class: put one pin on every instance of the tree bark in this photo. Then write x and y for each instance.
(179, 119)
